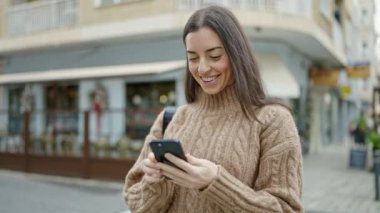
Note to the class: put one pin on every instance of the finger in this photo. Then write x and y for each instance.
(151, 164)
(193, 160)
(157, 175)
(179, 162)
(175, 173)
(151, 171)
(169, 168)
(151, 179)
(172, 170)
(152, 157)
(179, 181)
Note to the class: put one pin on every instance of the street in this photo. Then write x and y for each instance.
(329, 186)
(21, 192)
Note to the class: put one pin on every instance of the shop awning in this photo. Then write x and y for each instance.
(278, 80)
(92, 72)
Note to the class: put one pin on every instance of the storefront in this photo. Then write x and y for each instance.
(132, 101)
(93, 119)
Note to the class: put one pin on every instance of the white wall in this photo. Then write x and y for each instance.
(115, 121)
(296, 62)
(39, 117)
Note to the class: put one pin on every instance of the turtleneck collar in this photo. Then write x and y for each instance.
(226, 100)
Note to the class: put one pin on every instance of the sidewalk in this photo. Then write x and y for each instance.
(26, 192)
(331, 186)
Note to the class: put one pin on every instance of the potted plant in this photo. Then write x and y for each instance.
(358, 150)
(374, 139)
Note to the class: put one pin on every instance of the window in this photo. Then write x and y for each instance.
(14, 107)
(337, 16)
(62, 97)
(146, 95)
(365, 16)
(62, 104)
(144, 102)
(364, 50)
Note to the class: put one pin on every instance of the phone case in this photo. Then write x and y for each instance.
(162, 146)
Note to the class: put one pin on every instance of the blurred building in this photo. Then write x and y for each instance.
(339, 96)
(124, 60)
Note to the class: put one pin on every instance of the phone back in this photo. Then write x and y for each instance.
(162, 146)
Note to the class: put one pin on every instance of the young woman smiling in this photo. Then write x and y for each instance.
(243, 150)
(207, 61)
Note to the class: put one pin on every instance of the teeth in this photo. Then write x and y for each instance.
(210, 78)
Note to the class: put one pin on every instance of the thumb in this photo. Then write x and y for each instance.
(192, 160)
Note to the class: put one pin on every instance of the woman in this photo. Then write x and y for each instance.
(244, 151)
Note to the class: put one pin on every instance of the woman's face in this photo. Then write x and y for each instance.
(208, 61)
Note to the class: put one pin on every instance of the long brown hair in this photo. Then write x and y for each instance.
(248, 84)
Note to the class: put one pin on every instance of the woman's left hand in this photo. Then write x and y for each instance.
(197, 173)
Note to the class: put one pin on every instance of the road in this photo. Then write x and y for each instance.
(329, 186)
(21, 192)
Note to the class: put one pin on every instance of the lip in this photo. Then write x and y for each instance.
(209, 79)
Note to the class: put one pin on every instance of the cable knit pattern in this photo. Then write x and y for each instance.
(259, 163)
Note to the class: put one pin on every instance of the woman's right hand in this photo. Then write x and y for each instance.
(151, 169)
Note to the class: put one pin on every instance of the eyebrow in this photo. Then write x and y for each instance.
(208, 50)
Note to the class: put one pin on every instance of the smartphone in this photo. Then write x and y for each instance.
(162, 146)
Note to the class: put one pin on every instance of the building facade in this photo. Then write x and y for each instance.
(124, 60)
(339, 94)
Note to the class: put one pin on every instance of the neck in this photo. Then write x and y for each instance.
(226, 100)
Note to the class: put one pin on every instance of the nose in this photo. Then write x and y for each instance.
(203, 67)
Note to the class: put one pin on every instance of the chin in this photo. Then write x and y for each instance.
(211, 91)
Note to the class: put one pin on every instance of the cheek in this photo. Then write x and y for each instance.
(228, 71)
(192, 69)
(225, 67)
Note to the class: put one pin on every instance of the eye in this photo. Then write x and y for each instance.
(193, 59)
(215, 57)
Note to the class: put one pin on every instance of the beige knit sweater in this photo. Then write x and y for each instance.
(260, 164)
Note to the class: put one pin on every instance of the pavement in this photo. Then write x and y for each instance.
(35, 193)
(329, 186)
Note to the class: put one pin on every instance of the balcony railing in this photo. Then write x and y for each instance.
(290, 7)
(41, 16)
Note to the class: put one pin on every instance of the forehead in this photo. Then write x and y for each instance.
(202, 39)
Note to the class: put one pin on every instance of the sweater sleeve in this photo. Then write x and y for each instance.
(278, 186)
(140, 195)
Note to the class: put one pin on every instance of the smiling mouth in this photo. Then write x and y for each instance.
(209, 78)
